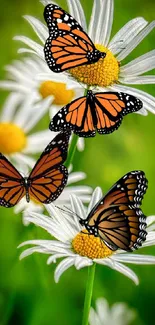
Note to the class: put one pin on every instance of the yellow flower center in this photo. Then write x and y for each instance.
(88, 245)
(12, 138)
(62, 95)
(102, 73)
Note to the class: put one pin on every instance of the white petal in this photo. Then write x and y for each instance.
(121, 312)
(18, 75)
(136, 40)
(25, 50)
(38, 112)
(13, 86)
(53, 258)
(52, 76)
(149, 243)
(139, 66)
(37, 48)
(40, 29)
(66, 229)
(81, 262)
(52, 227)
(94, 318)
(78, 211)
(28, 66)
(23, 159)
(46, 2)
(81, 144)
(106, 20)
(77, 207)
(62, 267)
(150, 220)
(23, 114)
(134, 258)
(32, 250)
(150, 236)
(48, 244)
(77, 12)
(96, 196)
(64, 198)
(94, 28)
(148, 100)
(20, 206)
(127, 272)
(76, 177)
(10, 106)
(78, 190)
(126, 34)
(142, 80)
(37, 141)
(118, 267)
(103, 310)
(44, 246)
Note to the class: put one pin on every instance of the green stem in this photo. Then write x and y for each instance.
(72, 150)
(73, 145)
(88, 294)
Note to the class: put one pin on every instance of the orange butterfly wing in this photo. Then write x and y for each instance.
(68, 46)
(49, 176)
(110, 109)
(76, 116)
(117, 218)
(11, 184)
(101, 111)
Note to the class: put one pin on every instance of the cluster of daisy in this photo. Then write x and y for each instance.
(36, 92)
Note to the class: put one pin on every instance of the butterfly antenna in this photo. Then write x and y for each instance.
(71, 211)
(62, 209)
(67, 210)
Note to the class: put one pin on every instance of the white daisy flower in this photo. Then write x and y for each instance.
(81, 191)
(78, 248)
(17, 120)
(118, 314)
(22, 80)
(109, 74)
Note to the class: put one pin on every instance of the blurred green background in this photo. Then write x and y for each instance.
(28, 294)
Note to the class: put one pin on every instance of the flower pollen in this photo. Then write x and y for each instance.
(103, 73)
(12, 138)
(88, 245)
(62, 95)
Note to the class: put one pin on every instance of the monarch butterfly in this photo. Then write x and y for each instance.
(117, 218)
(46, 180)
(101, 111)
(68, 46)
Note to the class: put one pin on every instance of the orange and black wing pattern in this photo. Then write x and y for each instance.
(110, 107)
(117, 218)
(49, 176)
(11, 184)
(68, 46)
(101, 112)
(78, 116)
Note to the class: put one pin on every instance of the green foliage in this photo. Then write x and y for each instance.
(28, 293)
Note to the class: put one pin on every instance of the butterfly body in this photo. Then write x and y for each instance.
(117, 218)
(68, 46)
(101, 112)
(46, 180)
(26, 183)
